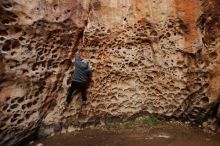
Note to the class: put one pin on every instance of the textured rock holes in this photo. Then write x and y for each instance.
(159, 75)
(133, 56)
(29, 53)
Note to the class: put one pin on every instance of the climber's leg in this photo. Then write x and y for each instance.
(70, 93)
(83, 92)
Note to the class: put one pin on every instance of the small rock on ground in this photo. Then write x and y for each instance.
(40, 144)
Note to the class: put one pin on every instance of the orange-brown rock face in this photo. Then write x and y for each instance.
(149, 57)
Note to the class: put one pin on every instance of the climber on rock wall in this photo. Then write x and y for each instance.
(80, 79)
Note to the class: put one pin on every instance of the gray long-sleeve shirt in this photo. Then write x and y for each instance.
(82, 70)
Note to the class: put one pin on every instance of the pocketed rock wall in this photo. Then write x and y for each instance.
(148, 57)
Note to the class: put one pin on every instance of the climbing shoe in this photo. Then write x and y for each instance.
(66, 104)
(84, 102)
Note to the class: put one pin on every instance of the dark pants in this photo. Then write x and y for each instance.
(81, 87)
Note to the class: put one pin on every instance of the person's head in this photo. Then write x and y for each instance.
(85, 62)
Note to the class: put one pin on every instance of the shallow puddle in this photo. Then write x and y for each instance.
(161, 135)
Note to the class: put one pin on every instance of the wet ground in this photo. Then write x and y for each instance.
(168, 134)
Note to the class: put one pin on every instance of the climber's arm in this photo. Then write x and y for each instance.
(77, 59)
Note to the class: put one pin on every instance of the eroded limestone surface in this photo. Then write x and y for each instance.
(149, 57)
